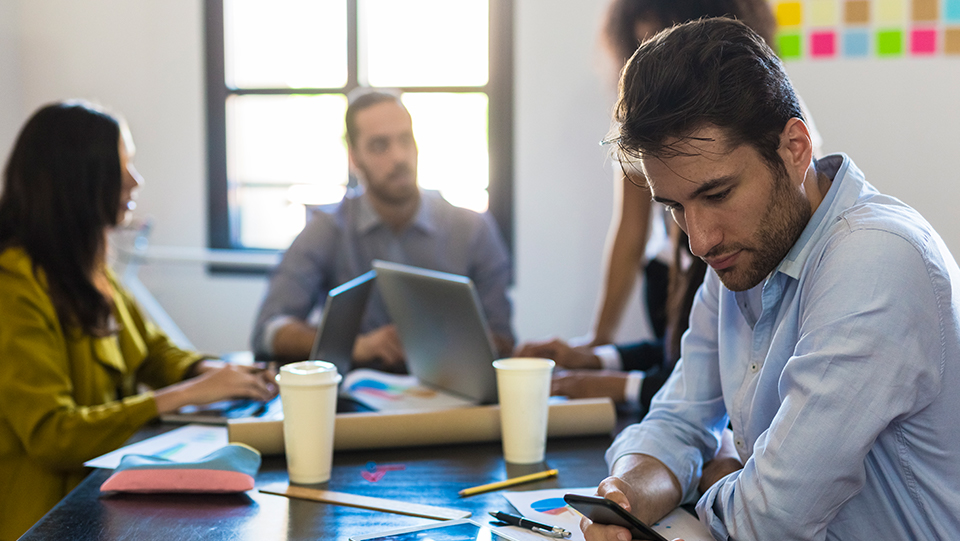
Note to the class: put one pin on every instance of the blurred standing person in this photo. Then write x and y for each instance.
(643, 237)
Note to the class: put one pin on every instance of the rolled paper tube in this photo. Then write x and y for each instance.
(373, 430)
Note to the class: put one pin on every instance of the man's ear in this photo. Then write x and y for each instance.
(796, 147)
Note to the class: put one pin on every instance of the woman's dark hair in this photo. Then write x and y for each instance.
(684, 282)
(620, 24)
(61, 191)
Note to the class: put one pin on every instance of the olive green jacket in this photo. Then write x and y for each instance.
(67, 397)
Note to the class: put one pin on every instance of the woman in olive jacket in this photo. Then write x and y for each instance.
(73, 344)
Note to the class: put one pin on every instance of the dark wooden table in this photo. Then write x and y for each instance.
(431, 476)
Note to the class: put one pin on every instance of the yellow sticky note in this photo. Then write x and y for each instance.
(890, 11)
(823, 12)
(789, 14)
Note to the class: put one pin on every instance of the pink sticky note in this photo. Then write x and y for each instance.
(923, 41)
(823, 44)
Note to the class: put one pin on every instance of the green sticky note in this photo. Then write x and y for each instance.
(789, 45)
(889, 42)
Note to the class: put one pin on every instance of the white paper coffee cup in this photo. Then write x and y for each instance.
(308, 391)
(523, 385)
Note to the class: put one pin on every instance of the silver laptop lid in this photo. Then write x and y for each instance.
(442, 327)
(340, 321)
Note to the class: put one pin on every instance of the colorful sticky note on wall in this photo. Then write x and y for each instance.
(789, 14)
(951, 41)
(823, 12)
(889, 42)
(856, 43)
(789, 45)
(823, 44)
(951, 12)
(923, 41)
(925, 10)
(890, 11)
(856, 12)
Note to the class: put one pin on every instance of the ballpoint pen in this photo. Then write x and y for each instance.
(539, 527)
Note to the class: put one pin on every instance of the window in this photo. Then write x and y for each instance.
(278, 74)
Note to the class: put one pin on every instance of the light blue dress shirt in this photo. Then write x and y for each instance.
(340, 243)
(840, 376)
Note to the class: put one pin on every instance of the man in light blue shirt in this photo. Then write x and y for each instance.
(826, 333)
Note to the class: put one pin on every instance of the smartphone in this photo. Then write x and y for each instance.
(604, 511)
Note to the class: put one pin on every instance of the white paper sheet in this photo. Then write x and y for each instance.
(547, 506)
(185, 444)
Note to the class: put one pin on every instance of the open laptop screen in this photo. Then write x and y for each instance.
(341, 320)
(442, 327)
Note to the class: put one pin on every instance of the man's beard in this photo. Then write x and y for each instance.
(787, 214)
(388, 191)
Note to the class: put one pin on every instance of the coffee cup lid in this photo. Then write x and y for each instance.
(523, 363)
(308, 373)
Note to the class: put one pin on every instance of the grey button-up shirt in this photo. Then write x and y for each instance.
(339, 244)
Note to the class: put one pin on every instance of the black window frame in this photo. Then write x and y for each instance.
(499, 90)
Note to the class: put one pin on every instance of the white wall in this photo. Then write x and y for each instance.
(10, 101)
(898, 120)
(144, 59)
(565, 91)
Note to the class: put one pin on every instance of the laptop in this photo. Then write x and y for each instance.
(341, 320)
(442, 327)
(339, 326)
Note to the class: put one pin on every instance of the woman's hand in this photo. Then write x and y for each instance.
(216, 380)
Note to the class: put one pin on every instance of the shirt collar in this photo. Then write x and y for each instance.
(424, 220)
(846, 184)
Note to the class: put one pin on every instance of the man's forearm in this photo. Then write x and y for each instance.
(294, 340)
(655, 490)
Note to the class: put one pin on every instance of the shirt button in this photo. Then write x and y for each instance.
(738, 442)
(754, 367)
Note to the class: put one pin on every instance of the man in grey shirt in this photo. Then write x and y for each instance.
(389, 218)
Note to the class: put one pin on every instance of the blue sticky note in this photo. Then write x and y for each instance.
(856, 43)
(951, 11)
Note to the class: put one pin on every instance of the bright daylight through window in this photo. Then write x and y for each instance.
(279, 73)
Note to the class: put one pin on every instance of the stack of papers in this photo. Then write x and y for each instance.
(184, 444)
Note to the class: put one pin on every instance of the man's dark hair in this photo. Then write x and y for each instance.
(707, 72)
(620, 24)
(61, 191)
(362, 98)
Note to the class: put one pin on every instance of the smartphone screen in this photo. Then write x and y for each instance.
(604, 511)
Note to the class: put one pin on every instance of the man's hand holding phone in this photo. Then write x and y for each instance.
(642, 486)
(606, 519)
